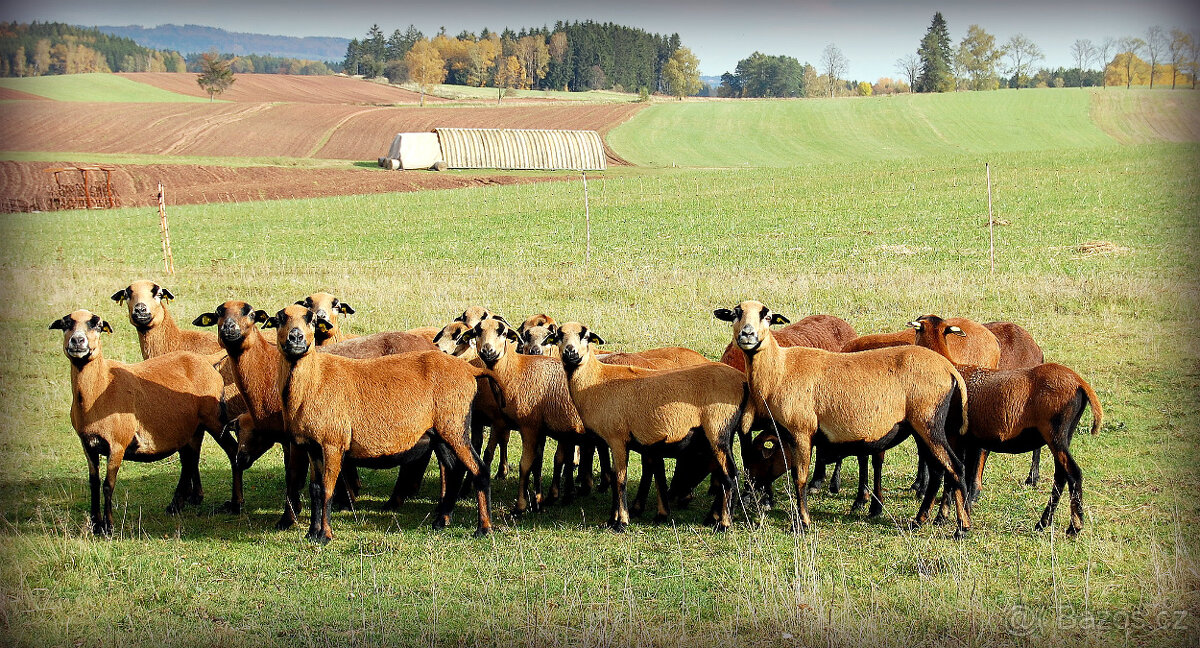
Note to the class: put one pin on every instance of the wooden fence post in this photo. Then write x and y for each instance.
(168, 258)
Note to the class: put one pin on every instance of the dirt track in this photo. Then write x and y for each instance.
(25, 185)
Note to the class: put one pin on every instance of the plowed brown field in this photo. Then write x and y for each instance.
(25, 185)
(284, 87)
(345, 132)
(9, 93)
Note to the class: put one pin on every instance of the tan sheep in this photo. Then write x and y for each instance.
(138, 412)
(381, 411)
(862, 403)
(656, 412)
(326, 308)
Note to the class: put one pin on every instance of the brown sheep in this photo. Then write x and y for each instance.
(141, 412)
(326, 308)
(536, 403)
(532, 334)
(379, 411)
(255, 362)
(656, 412)
(827, 332)
(158, 334)
(449, 341)
(858, 403)
(474, 315)
(1016, 410)
(1018, 350)
(427, 332)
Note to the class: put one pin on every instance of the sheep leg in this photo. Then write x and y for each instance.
(877, 501)
(468, 459)
(818, 478)
(663, 515)
(864, 479)
(975, 463)
(606, 468)
(801, 454)
(498, 439)
(620, 510)
(316, 494)
(189, 468)
(536, 474)
(1076, 477)
(230, 446)
(835, 480)
(295, 465)
(941, 454)
(1034, 467)
(921, 480)
(563, 483)
(502, 461)
(93, 459)
(347, 487)
(643, 492)
(725, 477)
(1060, 481)
(331, 468)
(452, 478)
(115, 455)
(409, 480)
(585, 481)
(526, 499)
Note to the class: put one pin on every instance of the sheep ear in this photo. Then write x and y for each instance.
(322, 326)
(551, 337)
(595, 339)
(957, 331)
(511, 335)
(343, 307)
(205, 319)
(261, 317)
(553, 328)
(121, 295)
(303, 302)
(776, 318)
(60, 323)
(163, 293)
(724, 314)
(104, 327)
(467, 335)
(915, 324)
(270, 323)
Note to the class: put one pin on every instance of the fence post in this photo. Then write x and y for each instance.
(991, 222)
(587, 215)
(168, 258)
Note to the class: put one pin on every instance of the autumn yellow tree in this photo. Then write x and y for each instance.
(534, 57)
(509, 73)
(425, 66)
(681, 73)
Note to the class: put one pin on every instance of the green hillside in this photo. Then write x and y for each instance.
(94, 87)
(791, 132)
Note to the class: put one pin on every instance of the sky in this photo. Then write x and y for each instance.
(872, 34)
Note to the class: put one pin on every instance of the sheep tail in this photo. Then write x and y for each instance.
(1094, 402)
(497, 392)
(959, 394)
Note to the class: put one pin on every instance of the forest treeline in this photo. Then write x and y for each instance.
(570, 56)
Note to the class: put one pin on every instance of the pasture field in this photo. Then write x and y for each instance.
(875, 241)
(98, 87)
(788, 133)
(471, 93)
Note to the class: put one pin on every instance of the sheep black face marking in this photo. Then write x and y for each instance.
(81, 334)
(295, 333)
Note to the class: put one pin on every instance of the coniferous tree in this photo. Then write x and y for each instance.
(935, 56)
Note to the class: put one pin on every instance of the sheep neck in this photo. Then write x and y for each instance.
(252, 363)
(161, 338)
(88, 380)
(765, 367)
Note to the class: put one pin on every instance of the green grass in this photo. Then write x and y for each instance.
(459, 92)
(794, 132)
(876, 242)
(94, 87)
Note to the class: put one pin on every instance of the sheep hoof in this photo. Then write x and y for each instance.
(103, 529)
(876, 511)
(857, 505)
(318, 538)
(684, 501)
(961, 533)
(835, 487)
(1031, 481)
(286, 522)
(1073, 531)
(940, 520)
(816, 486)
(481, 532)
(617, 527)
(720, 528)
(799, 526)
(440, 522)
(915, 524)
(661, 519)
(174, 508)
(393, 504)
(502, 472)
(230, 507)
(1041, 525)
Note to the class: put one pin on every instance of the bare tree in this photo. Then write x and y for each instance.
(909, 67)
(1181, 42)
(1021, 53)
(1103, 50)
(1083, 51)
(834, 64)
(1156, 45)
(1130, 46)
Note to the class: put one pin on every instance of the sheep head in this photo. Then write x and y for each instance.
(81, 334)
(233, 320)
(752, 322)
(145, 302)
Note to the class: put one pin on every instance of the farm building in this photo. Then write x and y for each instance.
(498, 148)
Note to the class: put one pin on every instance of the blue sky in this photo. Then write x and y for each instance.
(872, 34)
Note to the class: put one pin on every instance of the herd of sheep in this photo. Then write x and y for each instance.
(336, 403)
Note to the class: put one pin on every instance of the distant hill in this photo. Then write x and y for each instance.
(188, 39)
